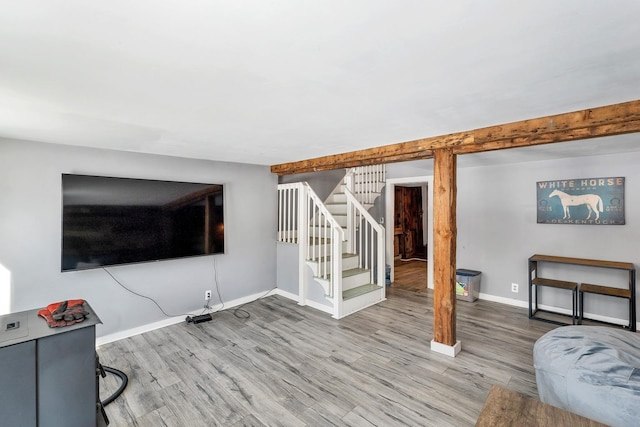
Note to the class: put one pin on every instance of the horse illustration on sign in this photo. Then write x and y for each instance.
(593, 202)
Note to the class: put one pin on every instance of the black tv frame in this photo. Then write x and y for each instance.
(108, 221)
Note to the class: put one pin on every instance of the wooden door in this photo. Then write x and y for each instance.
(408, 229)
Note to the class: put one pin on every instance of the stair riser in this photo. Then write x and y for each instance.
(347, 264)
(358, 303)
(365, 185)
(337, 198)
(337, 209)
(373, 188)
(319, 233)
(340, 219)
(341, 199)
(355, 280)
(320, 249)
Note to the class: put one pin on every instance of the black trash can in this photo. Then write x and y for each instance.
(467, 284)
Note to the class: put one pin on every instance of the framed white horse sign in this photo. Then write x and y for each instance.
(583, 201)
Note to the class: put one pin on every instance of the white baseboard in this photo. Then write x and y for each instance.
(321, 307)
(286, 294)
(503, 300)
(177, 319)
(309, 303)
(525, 304)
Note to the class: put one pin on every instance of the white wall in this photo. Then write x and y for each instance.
(287, 268)
(30, 236)
(497, 229)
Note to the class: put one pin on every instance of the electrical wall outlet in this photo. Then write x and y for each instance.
(207, 295)
(514, 287)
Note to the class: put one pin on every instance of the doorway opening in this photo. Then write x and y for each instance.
(409, 209)
(408, 227)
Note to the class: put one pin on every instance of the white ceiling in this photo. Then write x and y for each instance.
(269, 82)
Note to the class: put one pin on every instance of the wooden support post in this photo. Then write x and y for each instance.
(444, 254)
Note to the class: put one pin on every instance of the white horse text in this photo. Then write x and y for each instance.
(577, 183)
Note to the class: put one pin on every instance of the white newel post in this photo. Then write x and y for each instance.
(336, 272)
(303, 241)
(382, 266)
(351, 230)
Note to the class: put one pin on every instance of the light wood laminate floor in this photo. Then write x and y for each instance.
(293, 366)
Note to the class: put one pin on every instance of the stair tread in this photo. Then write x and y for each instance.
(351, 272)
(344, 227)
(319, 240)
(344, 255)
(359, 290)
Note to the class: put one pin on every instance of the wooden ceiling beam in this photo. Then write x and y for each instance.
(552, 137)
(596, 122)
(346, 160)
(400, 152)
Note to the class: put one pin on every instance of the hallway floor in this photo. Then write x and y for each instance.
(410, 275)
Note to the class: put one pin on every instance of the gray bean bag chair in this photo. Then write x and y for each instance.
(593, 371)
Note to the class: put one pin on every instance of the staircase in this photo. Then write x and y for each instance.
(338, 239)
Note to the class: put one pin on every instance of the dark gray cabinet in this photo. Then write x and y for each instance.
(47, 375)
(18, 384)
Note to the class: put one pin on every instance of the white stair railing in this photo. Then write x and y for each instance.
(366, 238)
(363, 182)
(290, 198)
(304, 219)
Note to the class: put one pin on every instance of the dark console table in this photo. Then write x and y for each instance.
(47, 375)
(628, 293)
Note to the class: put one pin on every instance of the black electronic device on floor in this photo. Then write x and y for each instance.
(199, 318)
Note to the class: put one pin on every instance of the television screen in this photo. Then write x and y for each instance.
(109, 221)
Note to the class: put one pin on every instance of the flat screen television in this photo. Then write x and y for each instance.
(109, 221)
